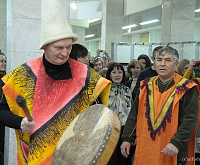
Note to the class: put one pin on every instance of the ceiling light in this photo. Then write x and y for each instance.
(129, 26)
(73, 5)
(89, 36)
(197, 10)
(148, 22)
(93, 20)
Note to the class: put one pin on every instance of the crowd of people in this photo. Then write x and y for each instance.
(124, 84)
(129, 89)
(157, 102)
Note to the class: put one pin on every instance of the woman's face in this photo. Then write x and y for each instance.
(116, 75)
(92, 59)
(142, 62)
(98, 65)
(2, 63)
(185, 68)
(136, 70)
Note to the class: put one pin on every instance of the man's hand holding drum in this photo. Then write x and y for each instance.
(125, 149)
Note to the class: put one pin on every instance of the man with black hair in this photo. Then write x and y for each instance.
(164, 116)
(79, 53)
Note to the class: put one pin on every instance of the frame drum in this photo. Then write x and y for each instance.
(90, 139)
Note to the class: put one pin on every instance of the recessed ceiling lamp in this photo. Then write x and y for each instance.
(129, 26)
(148, 22)
(73, 5)
(197, 10)
(89, 36)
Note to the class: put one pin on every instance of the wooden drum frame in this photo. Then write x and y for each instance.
(90, 139)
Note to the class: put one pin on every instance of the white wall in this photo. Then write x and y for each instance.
(93, 46)
(25, 31)
(197, 31)
(87, 10)
(134, 6)
(155, 36)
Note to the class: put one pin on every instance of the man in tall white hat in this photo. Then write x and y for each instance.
(56, 89)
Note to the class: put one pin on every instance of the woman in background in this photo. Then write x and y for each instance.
(120, 101)
(133, 69)
(98, 64)
(145, 61)
(183, 67)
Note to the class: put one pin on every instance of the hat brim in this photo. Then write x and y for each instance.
(73, 36)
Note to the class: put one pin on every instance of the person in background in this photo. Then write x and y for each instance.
(2, 127)
(133, 69)
(98, 64)
(79, 53)
(197, 64)
(120, 102)
(164, 116)
(2, 64)
(149, 72)
(189, 74)
(98, 52)
(91, 60)
(56, 89)
(183, 67)
(105, 56)
(144, 60)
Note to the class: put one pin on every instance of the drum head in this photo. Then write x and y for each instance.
(89, 139)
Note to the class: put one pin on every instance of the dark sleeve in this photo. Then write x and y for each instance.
(129, 133)
(188, 115)
(7, 118)
(136, 88)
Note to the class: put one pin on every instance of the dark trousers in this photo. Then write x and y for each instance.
(117, 158)
(181, 163)
(197, 158)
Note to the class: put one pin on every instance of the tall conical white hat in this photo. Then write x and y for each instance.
(54, 23)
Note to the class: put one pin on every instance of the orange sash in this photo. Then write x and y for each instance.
(157, 123)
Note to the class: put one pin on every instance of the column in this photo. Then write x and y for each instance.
(178, 25)
(3, 26)
(112, 21)
(22, 44)
(80, 32)
(178, 20)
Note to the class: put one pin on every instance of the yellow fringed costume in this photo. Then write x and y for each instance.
(53, 103)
